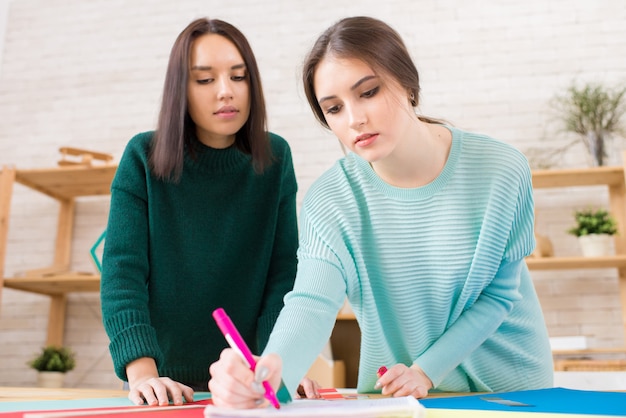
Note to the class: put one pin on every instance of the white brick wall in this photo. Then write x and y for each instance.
(89, 74)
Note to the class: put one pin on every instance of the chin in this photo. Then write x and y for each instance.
(369, 156)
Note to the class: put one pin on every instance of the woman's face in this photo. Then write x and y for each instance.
(369, 113)
(218, 90)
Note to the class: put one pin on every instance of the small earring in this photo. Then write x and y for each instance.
(412, 99)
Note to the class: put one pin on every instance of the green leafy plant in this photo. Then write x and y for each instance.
(590, 221)
(592, 111)
(53, 359)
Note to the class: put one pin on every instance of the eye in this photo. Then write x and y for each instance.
(204, 81)
(333, 109)
(370, 93)
(239, 77)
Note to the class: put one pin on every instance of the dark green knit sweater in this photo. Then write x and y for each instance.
(221, 237)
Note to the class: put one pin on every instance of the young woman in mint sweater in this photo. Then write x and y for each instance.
(202, 215)
(423, 226)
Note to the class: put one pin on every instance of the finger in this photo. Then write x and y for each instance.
(233, 371)
(308, 388)
(417, 392)
(223, 397)
(387, 376)
(420, 392)
(316, 389)
(311, 388)
(174, 390)
(160, 390)
(396, 381)
(147, 393)
(405, 385)
(269, 368)
(231, 383)
(135, 397)
(187, 393)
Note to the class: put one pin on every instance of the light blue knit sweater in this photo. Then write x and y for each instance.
(435, 275)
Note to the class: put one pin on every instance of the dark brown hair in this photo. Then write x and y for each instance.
(371, 41)
(176, 130)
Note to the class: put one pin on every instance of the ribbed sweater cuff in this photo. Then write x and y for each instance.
(132, 340)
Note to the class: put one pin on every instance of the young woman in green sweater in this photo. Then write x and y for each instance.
(423, 226)
(202, 215)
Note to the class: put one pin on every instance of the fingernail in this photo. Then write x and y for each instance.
(258, 388)
(261, 374)
(378, 385)
(259, 402)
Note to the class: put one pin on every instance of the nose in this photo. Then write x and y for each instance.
(225, 90)
(356, 117)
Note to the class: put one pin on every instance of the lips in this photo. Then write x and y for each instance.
(365, 139)
(226, 110)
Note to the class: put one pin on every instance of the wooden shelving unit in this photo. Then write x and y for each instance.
(65, 184)
(614, 179)
(568, 263)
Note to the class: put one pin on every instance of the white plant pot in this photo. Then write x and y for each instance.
(595, 245)
(50, 379)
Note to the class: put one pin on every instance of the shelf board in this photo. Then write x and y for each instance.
(590, 352)
(565, 263)
(593, 176)
(345, 316)
(56, 284)
(69, 181)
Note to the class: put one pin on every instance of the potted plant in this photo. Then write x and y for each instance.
(593, 112)
(52, 363)
(594, 229)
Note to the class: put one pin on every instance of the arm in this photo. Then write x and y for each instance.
(481, 320)
(475, 325)
(124, 295)
(125, 268)
(282, 267)
(302, 329)
(307, 320)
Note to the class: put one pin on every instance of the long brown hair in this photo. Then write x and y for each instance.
(176, 130)
(371, 41)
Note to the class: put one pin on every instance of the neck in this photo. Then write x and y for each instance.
(418, 159)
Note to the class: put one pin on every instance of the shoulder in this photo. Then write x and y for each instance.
(135, 157)
(488, 149)
(281, 152)
(338, 180)
(140, 144)
(278, 144)
(485, 155)
(282, 163)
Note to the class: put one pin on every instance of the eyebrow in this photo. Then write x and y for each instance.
(208, 67)
(354, 87)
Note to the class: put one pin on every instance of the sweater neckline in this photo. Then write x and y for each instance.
(207, 159)
(421, 192)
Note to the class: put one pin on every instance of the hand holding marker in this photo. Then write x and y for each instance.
(238, 344)
(381, 371)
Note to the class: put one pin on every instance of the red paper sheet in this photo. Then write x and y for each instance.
(190, 410)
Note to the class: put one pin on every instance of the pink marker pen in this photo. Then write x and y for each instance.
(238, 344)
